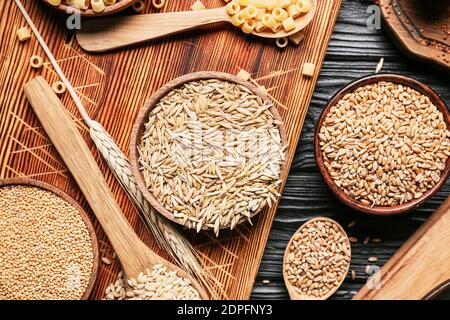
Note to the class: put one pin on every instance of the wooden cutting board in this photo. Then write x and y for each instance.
(420, 28)
(114, 86)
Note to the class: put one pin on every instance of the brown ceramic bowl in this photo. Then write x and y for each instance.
(117, 7)
(139, 128)
(355, 204)
(84, 216)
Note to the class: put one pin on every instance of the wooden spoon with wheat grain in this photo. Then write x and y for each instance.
(316, 260)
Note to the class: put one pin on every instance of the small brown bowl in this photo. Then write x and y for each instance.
(341, 195)
(117, 7)
(139, 127)
(83, 214)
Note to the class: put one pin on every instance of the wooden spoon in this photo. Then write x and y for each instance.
(291, 289)
(116, 32)
(134, 255)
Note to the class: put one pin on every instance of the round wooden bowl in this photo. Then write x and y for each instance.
(142, 118)
(117, 7)
(355, 204)
(84, 216)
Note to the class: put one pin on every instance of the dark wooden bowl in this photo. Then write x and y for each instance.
(117, 7)
(142, 118)
(355, 204)
(84, 216)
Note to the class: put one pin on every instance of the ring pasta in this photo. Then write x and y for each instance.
(237, 20)
(99, 6)
(158, 4)
(36, 62)
(233, 8)
(255, 16)
(59, 87)
(280, 14)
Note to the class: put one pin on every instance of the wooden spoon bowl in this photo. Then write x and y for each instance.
(291, 289)
(117, 7)
(340, 194)
(83, 214)
(117, 32)
(139, 128)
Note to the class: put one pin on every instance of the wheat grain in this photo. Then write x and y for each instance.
(385, 144)
(167, 236)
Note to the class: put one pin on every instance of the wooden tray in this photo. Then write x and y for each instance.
(115, 86)
(421, 28)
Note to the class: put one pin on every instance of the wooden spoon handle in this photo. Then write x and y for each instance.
(76, 155)
(420, 267)
(111, 33)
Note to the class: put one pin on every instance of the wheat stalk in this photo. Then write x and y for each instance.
(168, 237)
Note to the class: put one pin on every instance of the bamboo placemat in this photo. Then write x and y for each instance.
(114, 86)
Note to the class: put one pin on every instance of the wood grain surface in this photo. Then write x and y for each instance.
(421, 30)
(354, 51)
(114, 86)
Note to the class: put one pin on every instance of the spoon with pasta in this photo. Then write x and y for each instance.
(264, 18)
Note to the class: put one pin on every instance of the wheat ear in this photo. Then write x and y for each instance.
(168, 237)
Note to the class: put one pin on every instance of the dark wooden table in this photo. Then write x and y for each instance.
(354, 51)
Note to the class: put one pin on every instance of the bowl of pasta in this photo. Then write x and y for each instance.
(91, 8)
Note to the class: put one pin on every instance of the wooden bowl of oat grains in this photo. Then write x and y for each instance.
(382, 144)
(208, 151)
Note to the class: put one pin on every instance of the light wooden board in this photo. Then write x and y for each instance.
(421, 31)
(114, 86)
